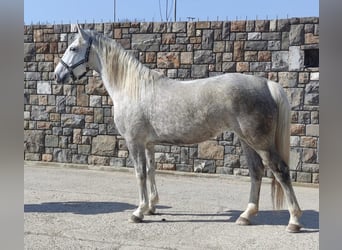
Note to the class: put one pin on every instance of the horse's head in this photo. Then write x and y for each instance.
(75, 59)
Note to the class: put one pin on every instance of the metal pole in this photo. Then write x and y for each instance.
(175, 10)
(114, 11)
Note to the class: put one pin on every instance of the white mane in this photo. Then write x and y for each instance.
(122, 69)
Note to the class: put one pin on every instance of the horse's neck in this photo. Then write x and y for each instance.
(119, 70)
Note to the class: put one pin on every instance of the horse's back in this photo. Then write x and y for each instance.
(196, 110)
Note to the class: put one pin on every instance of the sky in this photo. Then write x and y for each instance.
(72, 11)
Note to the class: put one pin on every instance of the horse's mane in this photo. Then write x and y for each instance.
(122, 69)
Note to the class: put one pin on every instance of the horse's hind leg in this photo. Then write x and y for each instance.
(282, 174)
(256, 168)
(153, 197)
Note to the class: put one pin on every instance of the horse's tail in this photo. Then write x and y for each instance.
(282, 137)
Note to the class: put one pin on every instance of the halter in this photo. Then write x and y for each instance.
(85, 60)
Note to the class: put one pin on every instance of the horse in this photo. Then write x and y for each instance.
(150, 108)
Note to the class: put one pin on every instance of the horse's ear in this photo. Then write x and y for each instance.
(81, 32)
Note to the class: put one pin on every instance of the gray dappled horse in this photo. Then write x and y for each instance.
(150, 109)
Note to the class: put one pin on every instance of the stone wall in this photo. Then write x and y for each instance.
(74, 123)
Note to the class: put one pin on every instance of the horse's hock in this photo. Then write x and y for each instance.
(74, 122)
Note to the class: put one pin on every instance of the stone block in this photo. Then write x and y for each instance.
(202, 25)
(312, 130)
(32, 156)
(242, 67)
(43, 87)
(151, 57)
(83, 149)
(39, 113)
(312, 99)
(98, 160)
(315, 178)
(273, 45)
(199, 71)
(184, 167)
(204, 166)
(296, 57)
(309, 155)
(260, 66)
(262, 25)
(45, 66)
(204, 56)
(264, 56)
(228, 67)
(179, 27)
(219, 46)
(47, 157)
(103, 145)
(191, 29)
(295, 96)
(297, 129)
(29, 52)
(207, 39)
(312, 87)
(284, 25)
(51, 141)
(168, 59)
(72, 121)
(32, 76)
(304, 177)
(231, 161)
(210, 150)
(225, 30)
(79, 159)
(146, 42)
(186, 57)
(238, 26)
(254, 36)
(62, 155)
(42, 48)
(252, 56)
(95, 101)
(146, 27)
(288, 79)
(98, 115)
(256, 45)
(296, 35)
(310, 38)
(166, 166)
(33, 141)
(241, 171)
(314, 76)
(280, 60)
(308, 142)
(117, 162)
(168, 38)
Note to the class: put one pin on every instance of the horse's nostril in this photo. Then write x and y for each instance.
(57, 78)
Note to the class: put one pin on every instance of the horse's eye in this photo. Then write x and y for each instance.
(73, 49)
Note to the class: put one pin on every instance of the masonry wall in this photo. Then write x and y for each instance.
(73, 122)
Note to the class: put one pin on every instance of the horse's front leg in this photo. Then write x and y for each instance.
(137, 153)
(154, 198)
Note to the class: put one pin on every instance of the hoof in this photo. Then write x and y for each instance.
(135, 219)
(293, 228)
(243, 221)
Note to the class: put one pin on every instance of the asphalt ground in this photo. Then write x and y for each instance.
(69, 207)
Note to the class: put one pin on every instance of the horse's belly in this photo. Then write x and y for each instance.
(188, 128)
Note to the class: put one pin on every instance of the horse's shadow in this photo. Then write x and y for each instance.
(309, 219)
(78, 207)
